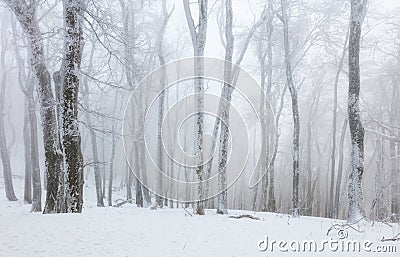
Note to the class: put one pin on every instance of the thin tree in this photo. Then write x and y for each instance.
(92, 132)
(355, 195)
(227, 96)
(295, 109)
(198, 34)
(4, 151)
(161, 58)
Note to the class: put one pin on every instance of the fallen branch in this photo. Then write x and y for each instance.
(123, 202)
(344, 227)
(187, 212)
(395, 238)
(245, 216)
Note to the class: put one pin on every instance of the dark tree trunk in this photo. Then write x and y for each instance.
(73, 15)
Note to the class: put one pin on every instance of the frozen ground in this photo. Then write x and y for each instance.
(130, 231)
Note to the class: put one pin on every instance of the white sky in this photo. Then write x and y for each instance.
(387, 4)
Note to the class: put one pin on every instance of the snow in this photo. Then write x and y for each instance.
(131, 231)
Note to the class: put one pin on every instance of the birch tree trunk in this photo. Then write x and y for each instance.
(295, 110)
(355, 195)
(73, 15)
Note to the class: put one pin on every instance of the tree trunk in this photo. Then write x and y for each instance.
(34, 152)
(355, 195)
(129, 178)
(92, 133)
(5, 158)
(113, 149)
(227, 96)
(161, 59)
(334, 121)
(199, 40)
(340, 171)
(73, 15)
(27, 154)
(295, 110)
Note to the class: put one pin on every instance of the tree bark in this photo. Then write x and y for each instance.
(73, 15)
(355, 195)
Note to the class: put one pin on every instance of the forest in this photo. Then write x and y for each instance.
(225, 107)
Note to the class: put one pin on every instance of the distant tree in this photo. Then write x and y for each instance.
(295, 109)
(4, 151)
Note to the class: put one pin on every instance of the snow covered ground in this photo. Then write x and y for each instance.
(130, 231)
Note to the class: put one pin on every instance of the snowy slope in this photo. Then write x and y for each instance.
(130, 231)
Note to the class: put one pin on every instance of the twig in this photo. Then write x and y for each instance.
(187, 212)
(395, 238)
(245, 216)
(344, 226)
